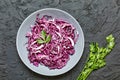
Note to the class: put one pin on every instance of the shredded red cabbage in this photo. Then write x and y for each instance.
(56, 53)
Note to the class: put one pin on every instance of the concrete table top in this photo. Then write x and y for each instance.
(98, 19)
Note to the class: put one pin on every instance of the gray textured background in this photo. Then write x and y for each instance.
(98, 19)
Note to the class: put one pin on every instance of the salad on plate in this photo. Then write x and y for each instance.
(51, 42)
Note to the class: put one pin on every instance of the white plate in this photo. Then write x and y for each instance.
(21, 40)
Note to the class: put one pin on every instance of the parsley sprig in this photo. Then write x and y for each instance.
(45, 38)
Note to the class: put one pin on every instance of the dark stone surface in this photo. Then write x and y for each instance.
(98, 18)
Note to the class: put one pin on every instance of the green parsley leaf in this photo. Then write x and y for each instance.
(43, 34)
(45, 38)
(40, 41)
(48, 39)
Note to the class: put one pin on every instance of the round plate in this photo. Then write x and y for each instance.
(21, 41)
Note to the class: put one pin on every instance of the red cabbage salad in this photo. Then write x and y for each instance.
(51, 42)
